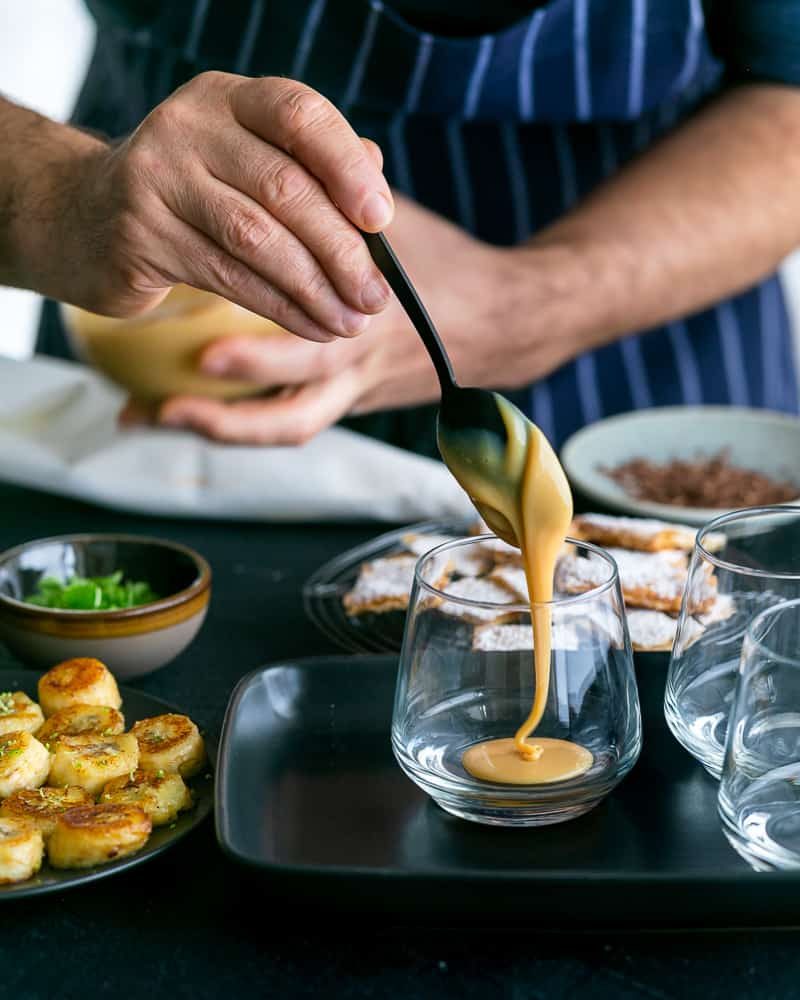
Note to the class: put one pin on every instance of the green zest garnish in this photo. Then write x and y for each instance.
(97, 593)
(159, 773)
(6, 703)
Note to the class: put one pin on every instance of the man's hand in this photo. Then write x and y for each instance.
(478, 295)
(250, 188)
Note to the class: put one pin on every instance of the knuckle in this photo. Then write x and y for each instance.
(350, 260)
(279, 309)
(309, 285)
(225, 273)
(243, 232)
(209, 79)
(298, 109)
(165, 117)
(285, 184)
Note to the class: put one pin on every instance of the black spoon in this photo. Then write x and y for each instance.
(466, 416)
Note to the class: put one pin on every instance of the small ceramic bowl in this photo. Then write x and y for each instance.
(155, 354)
(131, 642)
(762, 440)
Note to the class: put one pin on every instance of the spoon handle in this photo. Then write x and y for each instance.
(400, 283)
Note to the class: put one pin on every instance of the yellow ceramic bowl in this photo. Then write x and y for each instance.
(132, 641)
(156, 355)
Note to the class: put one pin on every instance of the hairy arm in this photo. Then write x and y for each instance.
(706, 212)
(41, 165)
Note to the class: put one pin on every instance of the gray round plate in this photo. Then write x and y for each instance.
(754, 439)
(135, 705)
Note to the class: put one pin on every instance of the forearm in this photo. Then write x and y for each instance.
(705, 213)
(41, 165)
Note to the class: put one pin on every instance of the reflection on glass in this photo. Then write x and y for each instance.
(467, 677)
(759, 796)
(742, 563)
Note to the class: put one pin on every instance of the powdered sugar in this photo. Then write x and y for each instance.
(507, 638)
(483, 590)
(651, 629)
(513, 579)
(466, 560)
(380, 583)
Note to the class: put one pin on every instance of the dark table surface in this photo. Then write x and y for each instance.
(193, 924)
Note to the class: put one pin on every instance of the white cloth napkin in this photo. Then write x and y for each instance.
(58, 432)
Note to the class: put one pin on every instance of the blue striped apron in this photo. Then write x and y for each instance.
(501, 133)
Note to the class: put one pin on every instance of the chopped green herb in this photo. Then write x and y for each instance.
(97, 593)
(160, 773)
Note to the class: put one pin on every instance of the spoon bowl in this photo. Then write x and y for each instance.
(469, 422)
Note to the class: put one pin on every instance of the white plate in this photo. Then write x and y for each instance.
(762, 440)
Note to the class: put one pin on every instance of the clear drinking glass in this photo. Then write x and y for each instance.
(465, 678)
(746, 561)
(759, 796)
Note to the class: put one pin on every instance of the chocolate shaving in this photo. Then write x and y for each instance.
(700, 482)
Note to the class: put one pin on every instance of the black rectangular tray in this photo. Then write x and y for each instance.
(309, 792)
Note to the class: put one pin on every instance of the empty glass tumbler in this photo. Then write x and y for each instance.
(467, 676)
(759, 796)
(743, 563)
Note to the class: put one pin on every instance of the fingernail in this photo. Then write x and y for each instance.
(376, 212)
(375, 293)
(216, 364)
(353, 322)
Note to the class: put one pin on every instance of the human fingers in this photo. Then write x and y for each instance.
(276, 360)
(283, 198)
(290, 418)
(312, 131)
(254, 235)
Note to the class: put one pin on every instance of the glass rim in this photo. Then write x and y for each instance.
(559, 602)
(760, 643)
(717, 524)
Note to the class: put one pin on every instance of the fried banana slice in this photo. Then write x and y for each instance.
(161, 795)
(170, 743)
(91, 761)
(80, 719)
(92, 835)
(41, 806)
(24, 763)
(21, 849)
(82, 681)
(18, 713)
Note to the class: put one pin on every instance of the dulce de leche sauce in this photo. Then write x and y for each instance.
(523, 489)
